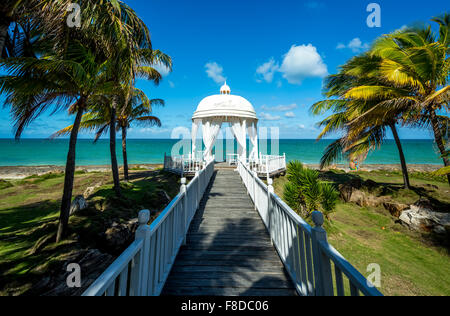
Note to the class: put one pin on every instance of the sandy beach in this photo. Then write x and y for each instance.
(20, 172)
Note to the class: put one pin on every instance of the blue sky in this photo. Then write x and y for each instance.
(274, 53)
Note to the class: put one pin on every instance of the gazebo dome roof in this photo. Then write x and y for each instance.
(225, 105)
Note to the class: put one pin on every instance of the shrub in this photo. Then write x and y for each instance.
(305, 193)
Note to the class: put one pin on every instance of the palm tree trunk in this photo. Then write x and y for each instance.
(69, 178)
(4, 25)
(112, 148)
(439, 140)
(402, 156)
(124, 153)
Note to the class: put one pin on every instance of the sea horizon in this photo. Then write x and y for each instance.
(151, 151)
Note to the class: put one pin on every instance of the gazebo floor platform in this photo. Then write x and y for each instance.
(227, 166)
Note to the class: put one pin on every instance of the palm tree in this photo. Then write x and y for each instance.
(361, 135)
(73, 66)
(416, 67)
(138, 110)
(25, 16)
(127, 64)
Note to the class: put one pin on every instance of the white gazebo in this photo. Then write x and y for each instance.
(215, 110)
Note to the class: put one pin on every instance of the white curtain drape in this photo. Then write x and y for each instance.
(195, 126)
(210, 131)
(239, 131)
(253, 135)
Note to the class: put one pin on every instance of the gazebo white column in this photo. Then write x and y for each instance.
(215, 110)
(195, 125)
(253, 135)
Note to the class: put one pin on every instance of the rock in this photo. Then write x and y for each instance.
(116, 238)
(395, 209)
(363, 199)
(424, 203)
(78, 204)
(424, 219)
(90, 190)
(345, 191)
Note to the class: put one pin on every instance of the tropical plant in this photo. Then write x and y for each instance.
(21, 19)
(330, 197)
(416, 68)
(360, 135)
(136, 109)
(127, 64)
(305, 193)
(72, 67)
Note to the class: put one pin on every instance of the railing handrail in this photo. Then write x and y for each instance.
(350, 271)
(112, 272)
(156, 246)
(306, 258)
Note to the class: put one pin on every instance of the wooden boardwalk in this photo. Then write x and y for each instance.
(228, 250)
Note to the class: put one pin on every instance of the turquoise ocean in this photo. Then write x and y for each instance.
(34, 152)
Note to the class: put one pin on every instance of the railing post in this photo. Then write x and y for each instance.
(255, 176)
(322, 266)
(199, 193)
(143, 232)
(270, 191)
(185, 207)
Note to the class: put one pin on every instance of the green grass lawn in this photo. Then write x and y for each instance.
(411, 263)
(29, 212)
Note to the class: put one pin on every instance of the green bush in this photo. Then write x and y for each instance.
(305, 193)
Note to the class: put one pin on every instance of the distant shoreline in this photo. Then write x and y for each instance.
(20, 172)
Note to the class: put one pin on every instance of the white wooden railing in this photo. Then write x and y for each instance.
(268, 164)
(315, 267)
(142, 269)
(183, 164)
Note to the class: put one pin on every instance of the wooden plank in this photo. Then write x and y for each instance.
(187, 269)
(249, 262)
(264, 283)
(228, 250)
(199, 291)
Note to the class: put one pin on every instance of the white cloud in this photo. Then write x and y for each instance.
(279, 108)
(289, 114)
(302, 62)
(171, 84)
(269, 117)
(267, 70)
(355, 45)
(215, 72)
(301, 126)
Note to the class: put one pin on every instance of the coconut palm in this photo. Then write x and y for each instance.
(72, 67)
(128, 64)
(137, 110)
(415, 67)
(361, 135)
(25, 17)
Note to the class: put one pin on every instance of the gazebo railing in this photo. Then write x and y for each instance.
(142, 269)
(183, 164)
(314, 266)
